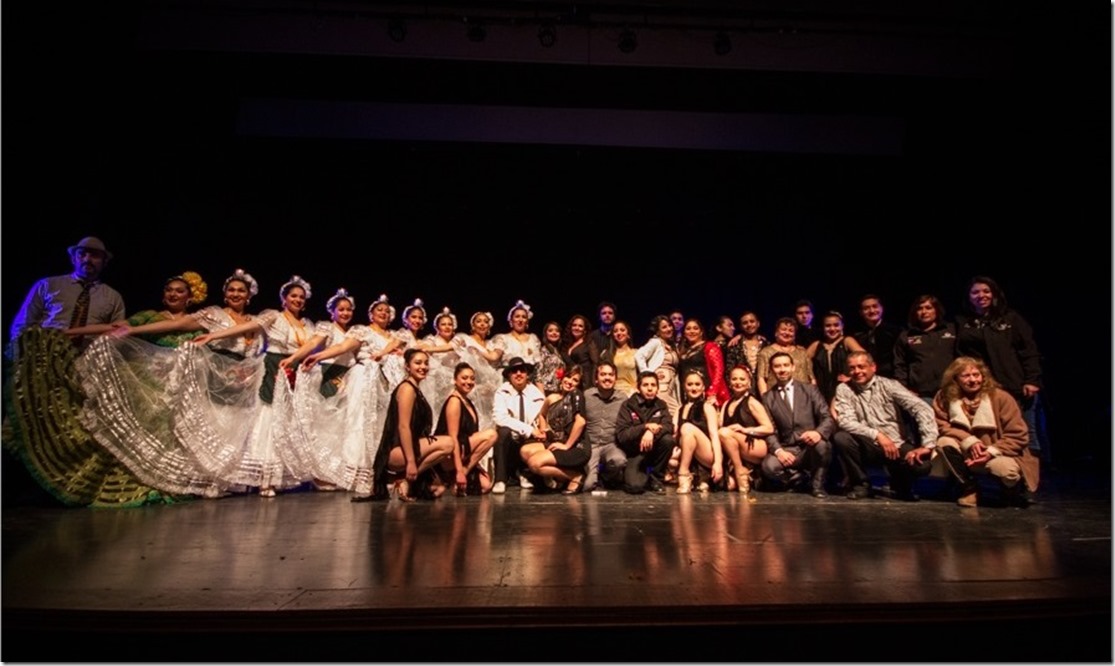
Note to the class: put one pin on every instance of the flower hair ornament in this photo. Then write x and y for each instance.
(472, 319)
(341, 295)
(519, 305)
(199, 291)
(246, 278)
(443, 314)
(390, 308)
(295, 281)
(417, 305)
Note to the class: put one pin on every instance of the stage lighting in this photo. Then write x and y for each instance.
(627, 41)
(477, 33)
(396, 30)
(722, 44)
(547, 35)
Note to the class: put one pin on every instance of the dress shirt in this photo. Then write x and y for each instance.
(600, 416)
(505, 407)
(874, 407)
(50, 304)
(786, 393)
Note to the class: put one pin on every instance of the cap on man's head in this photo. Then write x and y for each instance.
(91, 243)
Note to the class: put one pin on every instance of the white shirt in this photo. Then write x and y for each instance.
(505, 407)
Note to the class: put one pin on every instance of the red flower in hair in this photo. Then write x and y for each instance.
(560, 373)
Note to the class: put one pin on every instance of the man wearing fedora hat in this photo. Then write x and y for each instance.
(74, 299)
(515, 410)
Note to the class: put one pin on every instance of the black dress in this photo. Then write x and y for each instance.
(560, 418)
(742, 415)
(586, 356)
(466, 427)
(421, 423)
(696, 415)
(828, 367)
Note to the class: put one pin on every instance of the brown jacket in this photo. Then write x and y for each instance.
(998, 424)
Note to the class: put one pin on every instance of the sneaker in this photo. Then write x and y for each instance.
(499, 488)
(524, 482)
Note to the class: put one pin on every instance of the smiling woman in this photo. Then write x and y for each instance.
(409, 451)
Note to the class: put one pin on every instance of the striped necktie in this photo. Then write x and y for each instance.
(81, 307)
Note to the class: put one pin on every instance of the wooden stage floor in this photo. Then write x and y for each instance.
(526, 577)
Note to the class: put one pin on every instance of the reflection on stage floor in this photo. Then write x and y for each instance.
(566, 567)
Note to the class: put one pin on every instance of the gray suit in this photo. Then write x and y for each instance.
(810, 412)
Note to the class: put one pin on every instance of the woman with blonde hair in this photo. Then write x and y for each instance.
(982, 431)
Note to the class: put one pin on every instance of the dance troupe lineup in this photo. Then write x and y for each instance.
(185, 402)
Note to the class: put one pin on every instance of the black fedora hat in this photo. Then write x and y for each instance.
(516, 363)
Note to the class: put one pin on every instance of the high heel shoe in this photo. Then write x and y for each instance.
(401, 490)
(574, 487)
(702, 480)
(685, 484)
(743, 482)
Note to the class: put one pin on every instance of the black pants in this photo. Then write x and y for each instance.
(857, 453)
(508, 462)
(642, 463)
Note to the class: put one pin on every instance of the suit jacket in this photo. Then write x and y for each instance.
(811, 412)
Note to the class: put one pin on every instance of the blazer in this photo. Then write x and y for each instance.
(811, 412)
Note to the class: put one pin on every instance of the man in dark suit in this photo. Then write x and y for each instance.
(803, 428)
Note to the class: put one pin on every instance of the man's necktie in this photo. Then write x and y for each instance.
(81, 306)
(784, 393)
(522, 408)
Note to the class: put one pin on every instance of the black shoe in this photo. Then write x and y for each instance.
(862, 491)
(820, 493)
(1016, 496)
(655, 485)
(907, 496)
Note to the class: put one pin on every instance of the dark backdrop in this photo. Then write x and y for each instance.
(1007, 176)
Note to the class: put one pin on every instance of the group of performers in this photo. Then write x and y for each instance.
(182, 402)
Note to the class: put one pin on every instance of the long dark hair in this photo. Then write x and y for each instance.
(998, 299)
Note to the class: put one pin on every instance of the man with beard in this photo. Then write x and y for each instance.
(74, 299)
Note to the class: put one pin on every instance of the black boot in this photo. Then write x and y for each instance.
(818, 489)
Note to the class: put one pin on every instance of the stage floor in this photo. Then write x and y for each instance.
(312, 576)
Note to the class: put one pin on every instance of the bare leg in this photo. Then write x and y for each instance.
(732, 447)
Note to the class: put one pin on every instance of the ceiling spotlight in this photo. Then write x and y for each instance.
(396, 30)
(477, 33)
(547, 35)
(722, 44)
(627, 41)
